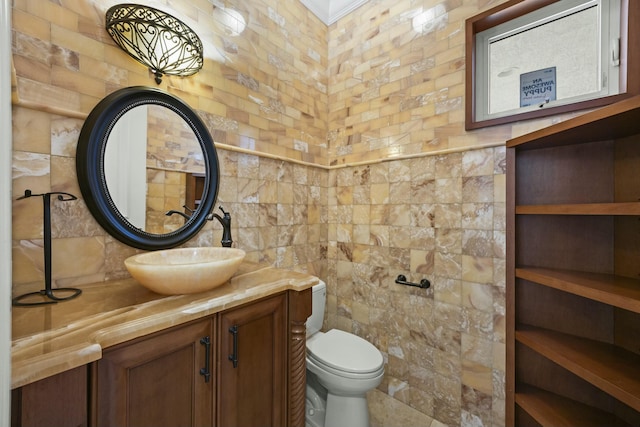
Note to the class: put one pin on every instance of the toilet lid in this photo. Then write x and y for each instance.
(345, 352)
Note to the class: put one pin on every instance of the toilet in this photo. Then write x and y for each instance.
(341, 369)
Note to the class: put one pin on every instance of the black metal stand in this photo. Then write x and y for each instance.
(47, 292)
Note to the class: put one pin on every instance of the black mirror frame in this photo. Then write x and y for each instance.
(90, 167)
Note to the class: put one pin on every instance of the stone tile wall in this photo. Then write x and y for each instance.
(396, 81)
(264, 90)
(441, 218)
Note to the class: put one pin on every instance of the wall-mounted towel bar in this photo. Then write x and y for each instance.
(402, 280)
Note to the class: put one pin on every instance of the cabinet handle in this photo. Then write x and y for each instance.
(206, 371)
(234, 357)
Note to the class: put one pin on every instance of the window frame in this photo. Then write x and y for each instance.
(514, 9)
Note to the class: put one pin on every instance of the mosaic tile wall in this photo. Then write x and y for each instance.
(344, 115)
(441, 218)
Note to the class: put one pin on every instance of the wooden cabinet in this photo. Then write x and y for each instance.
(185, 375)
(252, 364)
(573, 271)
(254, 354)
(60, 400)
(163, 379)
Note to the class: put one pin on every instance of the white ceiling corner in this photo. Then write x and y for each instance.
(329, 11)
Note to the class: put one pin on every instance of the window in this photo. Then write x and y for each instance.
(562, 54)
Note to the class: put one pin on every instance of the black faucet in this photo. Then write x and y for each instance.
(172, 211)
(226, 227)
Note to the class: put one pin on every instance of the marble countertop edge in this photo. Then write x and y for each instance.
(36, 368)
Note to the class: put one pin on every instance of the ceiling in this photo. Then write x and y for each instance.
(329, 11)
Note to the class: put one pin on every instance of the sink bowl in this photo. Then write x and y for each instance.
(184, 270)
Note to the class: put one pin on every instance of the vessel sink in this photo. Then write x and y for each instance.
(185, 270)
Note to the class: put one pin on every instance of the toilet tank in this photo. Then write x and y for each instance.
(318, 299)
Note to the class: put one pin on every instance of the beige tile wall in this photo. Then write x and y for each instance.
(442, 218)
(342, 152)
(396, 88)
(264, 90)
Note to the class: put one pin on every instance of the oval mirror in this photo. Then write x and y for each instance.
(147, 168)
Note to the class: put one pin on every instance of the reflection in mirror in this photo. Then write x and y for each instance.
(150, 154)
(125, 165)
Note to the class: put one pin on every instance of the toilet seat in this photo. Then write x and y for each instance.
(345, 354)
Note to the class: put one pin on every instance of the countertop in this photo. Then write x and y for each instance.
(47, 340)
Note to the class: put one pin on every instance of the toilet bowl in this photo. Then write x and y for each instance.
(316, 402)
(341, 369)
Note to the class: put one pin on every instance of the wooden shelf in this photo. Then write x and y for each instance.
(629, 208)
(617, 291)
(552, 410)
(614, 121)
(613, 370)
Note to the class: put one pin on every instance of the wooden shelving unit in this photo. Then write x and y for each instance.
(573, 271)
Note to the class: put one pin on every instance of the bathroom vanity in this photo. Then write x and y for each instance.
(123, 355)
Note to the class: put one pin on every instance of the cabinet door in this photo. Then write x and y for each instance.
(60, 400)
(158, 380)
(252, 364)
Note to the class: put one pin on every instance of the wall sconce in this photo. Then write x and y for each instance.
(156, 39)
